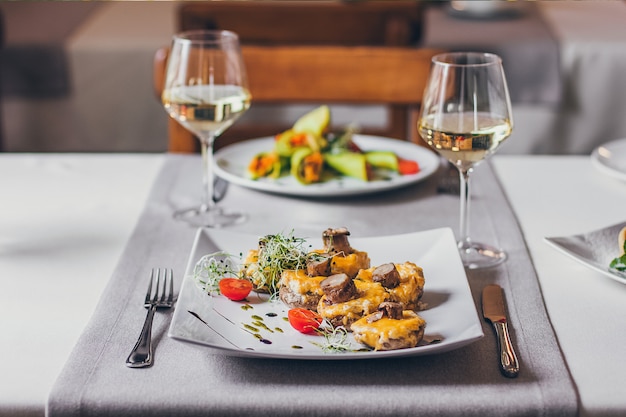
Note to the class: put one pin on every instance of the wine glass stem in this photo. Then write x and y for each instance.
(206, 145)
(465, 206)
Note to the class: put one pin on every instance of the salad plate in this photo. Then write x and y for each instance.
(610, 159)
(259, 328)
(232, 163)
(595, 249)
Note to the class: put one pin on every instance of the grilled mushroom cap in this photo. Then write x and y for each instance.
(391, 310)
(338, 288)
(336, 241)
(387, 275)
(318, 265)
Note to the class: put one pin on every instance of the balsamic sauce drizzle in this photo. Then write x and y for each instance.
(209, 326)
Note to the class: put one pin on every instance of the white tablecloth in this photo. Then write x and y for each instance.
(592, 42)
(562, 196)
(65, 219)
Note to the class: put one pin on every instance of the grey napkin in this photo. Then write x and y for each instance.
(187, 380)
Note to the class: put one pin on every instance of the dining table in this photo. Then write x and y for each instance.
(80, 233)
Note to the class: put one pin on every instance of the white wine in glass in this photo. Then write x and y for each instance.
(465, 117)
(206, 91)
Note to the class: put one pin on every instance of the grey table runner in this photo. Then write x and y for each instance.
(187, 380)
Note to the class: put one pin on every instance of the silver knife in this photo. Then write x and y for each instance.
(495, 312)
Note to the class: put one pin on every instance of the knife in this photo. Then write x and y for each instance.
(495, 312)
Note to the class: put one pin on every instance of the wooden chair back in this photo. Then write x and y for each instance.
(343, 23)
(391, 76)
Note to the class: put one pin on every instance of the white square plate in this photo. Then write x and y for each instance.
(595, 249)
(221, 324)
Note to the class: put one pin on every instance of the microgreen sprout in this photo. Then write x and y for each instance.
(278, 253)
(335, 338)
(211, 268)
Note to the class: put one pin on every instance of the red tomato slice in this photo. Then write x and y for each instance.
(303, 320)
(408, 167)
(235, 289)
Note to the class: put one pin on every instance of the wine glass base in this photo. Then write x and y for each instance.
(215, 217)
(478, 255)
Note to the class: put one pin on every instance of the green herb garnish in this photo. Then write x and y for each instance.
(335, 338)
(278, 253)
(619, 263)
(340, 142)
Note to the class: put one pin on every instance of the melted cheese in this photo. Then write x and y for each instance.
(379, 333)
(370, 295)
(411, 286)
(251, 257)
(349, 264)
(300, 283)
(252, 271)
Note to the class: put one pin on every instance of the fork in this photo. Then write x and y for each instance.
(162, 297)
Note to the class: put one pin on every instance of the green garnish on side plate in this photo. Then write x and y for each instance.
(619, 263)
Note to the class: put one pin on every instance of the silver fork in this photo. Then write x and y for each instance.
(162, 297)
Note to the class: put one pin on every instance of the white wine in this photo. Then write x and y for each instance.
(206, 109)
(464, 139)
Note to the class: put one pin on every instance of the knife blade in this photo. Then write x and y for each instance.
(494, 311)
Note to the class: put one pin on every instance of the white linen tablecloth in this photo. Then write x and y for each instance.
(529, 51)
(564, 196)
(64, 221)
(592, 43)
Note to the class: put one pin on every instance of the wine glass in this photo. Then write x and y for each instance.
(465, 116)
(206, 91)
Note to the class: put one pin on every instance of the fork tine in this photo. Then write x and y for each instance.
(170, 297)
(164, 289)
(155, 299)
(149, 292)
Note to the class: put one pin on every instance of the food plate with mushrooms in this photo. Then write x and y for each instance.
(258, 326)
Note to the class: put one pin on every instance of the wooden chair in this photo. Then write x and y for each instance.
(391, 76)
(339, 23)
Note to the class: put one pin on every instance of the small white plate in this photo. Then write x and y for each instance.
(220, 324)
(610, 159)
(595, 249)
(232, 164)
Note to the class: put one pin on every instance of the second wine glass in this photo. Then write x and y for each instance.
(465, 116)
(206, 91)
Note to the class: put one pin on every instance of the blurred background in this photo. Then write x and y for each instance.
(78, 76)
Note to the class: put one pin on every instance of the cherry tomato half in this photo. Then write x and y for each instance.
(408, 167)
(303, 320)
(235, 289)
